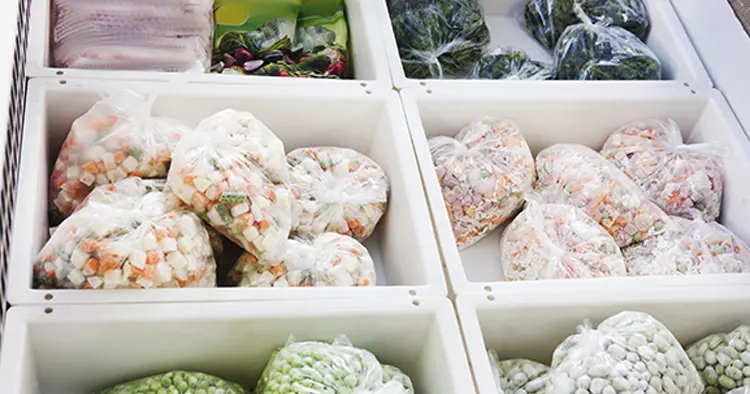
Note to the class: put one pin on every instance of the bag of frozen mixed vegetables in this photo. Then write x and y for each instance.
(177, 382)
(321, 39)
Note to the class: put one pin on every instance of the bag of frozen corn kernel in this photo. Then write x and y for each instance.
(724, 361)
(683, 180)
(689, 247)
(329, 259)
(117, 138)
(336, 190)
(577, 175)
(232, 172)
(554, 241)
(125, 239)
(517, 376)
(483, 174)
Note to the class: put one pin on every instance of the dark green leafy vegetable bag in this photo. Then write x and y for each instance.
(439, 38)
(597, 51)
(546, 20)
(177, 382)
(511, 64)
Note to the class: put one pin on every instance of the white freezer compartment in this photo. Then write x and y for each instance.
(367, 62)
(587, 116)
(668, 40)
(403, 247)
(531, 327)
(80, 349)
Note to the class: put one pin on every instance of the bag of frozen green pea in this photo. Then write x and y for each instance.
(322, 38)
(177, 382)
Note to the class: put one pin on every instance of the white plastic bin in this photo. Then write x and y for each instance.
(584, 115)
(79, 349)
(372, 122)
(365, 44)
(532, 326)
(680, 63)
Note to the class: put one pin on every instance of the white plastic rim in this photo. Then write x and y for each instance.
(366, 49)
(403, 245)
(532, 325)
(584, 115)
(79, 349)
(709, 25)
(668, 40)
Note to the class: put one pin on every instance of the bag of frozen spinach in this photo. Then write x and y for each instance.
(251, 34)
(321, 39)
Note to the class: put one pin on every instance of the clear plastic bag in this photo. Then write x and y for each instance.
(321, 368)
(393, 374)
(336, 190)
(683, 180)
(117, 138)
(546, 20)
(167, 35)
(329, 259)
(689, 247)
(577, 175)
(598, 51)
(232, 173)
(553, 241)
(439, 38)
(511, 64)
(741, 390)
(518, 376)
(177, 382)
(723, 360)
(483, 173)
(630, 352)
(127, 237)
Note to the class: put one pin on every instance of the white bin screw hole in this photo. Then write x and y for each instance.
(48, 297)
(423, 83)
(363, 84)
(63, 82)
(429, 91)
(412, 293)
(59, 73)
(693, 91)
(415, 302)
(491, 297)
(368, 91)
(488, 289)
(687, 85)
(48, 310)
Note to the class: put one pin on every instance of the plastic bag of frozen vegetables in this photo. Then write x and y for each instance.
(514, 64)
(321, 39)
(321, 367)
(598, 51)
(439, 38)
(546, 20)
(177, 382)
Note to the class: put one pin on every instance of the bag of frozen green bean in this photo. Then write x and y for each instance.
(723, 360)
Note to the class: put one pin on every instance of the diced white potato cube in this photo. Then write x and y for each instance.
(102, 179)
(78, 258)
(168, 245)
(95, 282)
(185, 244)
(72, 172)
(146, 284)
(177, 260)
(192, 264)
(269, 242)
(76, 278)
(250, 233)
(215, 177)
(87, 178)
(180, 273)
(109, 161)
(256, 212)
(281, 282)
(164, 272)
(130, 164)
(201, 183)
(138, 259)
(95, 152)
(148, 241)
(239, 209)
(112, 279)
(118, 173)
(214, 217)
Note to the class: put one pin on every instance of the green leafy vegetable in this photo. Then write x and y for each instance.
(510, 64)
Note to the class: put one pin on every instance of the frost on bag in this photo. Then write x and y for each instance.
(483, 174)
(577, 175)
(117, 138)
(329, 259)
(510, 64)
(320, 367)
(553, 241)
(683, 180)
(723, 360)
(598, 51)
(689, 247)
(518, 376)
(126, 236)
(166, 35)
(336, 190)
(546, 20)
(630, 352)
(231, 172)
(438, 38)
(177, 382)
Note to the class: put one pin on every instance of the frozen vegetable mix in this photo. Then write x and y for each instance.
(232, 173)
(320, 367)
(336, 190)
(483, 173)
(123, 239)
(546, 20)
(683, 180)
(723, 360)
(439, 38)
(165, 35)
(577, 175)
(630, 352)
(518, 376)
(511, 64)
(552, 241)
(689, 247)
(117, 138)
(393, 374)
(329, 259)
(598, 51)
(178, 382)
